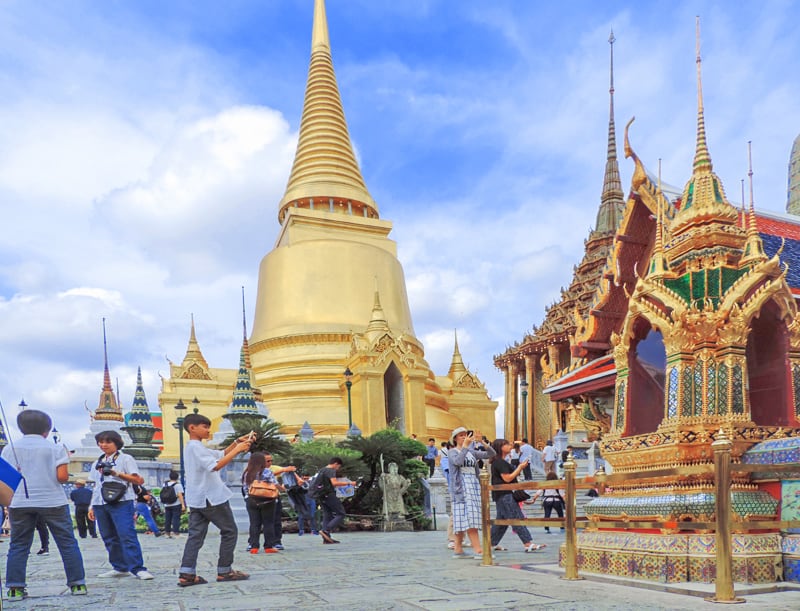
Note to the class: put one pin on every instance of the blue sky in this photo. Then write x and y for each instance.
(145, 147)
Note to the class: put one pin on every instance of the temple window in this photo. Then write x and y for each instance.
(394, 397)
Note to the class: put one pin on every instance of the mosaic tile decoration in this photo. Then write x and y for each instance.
(774, 452)
(791, 569)
(791, 545)
(678, 506)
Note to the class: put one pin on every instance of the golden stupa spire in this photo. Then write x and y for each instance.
(457, 367)
(246, 353)
(193, 353)
(378, 325)
(753, 248)
(702, 158)
(325, 174)
(612, 200)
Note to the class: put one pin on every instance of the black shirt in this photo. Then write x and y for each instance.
(500, 466)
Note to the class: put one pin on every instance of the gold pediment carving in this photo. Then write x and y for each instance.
(195, 372)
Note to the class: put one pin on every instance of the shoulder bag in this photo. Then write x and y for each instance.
(263, 490)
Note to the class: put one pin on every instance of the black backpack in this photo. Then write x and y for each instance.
(168, 494)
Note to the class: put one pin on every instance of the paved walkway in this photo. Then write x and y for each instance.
(366, 571)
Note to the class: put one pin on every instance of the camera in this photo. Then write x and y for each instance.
(105, 467)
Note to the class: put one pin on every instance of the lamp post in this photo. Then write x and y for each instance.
(195, 403)
(348, 382)
(178, 424)
(524, 391)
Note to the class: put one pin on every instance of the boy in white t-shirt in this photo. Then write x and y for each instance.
(207, 497)
(44, 466)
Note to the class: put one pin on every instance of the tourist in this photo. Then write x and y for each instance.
(143, 499)
(513, 455)
(261, 511)
(277, 518)
(174, 505)
(113, 508)
(526, 456)
(549, 455)
(44, 537)
(324, 490)
(430, 456)
(82, 497)
(444, 463)
(44, 467)
(207, 498)
(465, 488)
(507, 507)
(294, 483)
(551, 499)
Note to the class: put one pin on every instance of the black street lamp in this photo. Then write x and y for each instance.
(524, 391)
(178, 424)
(348, 382)
(195, 403)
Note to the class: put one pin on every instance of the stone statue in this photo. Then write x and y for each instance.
(393, 486)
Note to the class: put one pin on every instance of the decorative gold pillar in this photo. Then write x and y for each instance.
(530, 367)
(512, 404)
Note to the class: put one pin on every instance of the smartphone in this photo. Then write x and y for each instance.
(470, 433)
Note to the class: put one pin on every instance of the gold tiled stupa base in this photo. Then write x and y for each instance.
(677, 558)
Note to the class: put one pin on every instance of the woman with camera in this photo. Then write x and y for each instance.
(465, 488)
(113, 506)
(260, 509)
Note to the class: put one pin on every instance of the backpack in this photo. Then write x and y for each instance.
(168, 494)
(319, 486)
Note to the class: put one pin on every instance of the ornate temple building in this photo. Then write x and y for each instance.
(332, 297)
(687, 327)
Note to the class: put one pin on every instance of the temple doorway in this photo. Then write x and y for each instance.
(394, 396)
(768, 368)
(648, 363)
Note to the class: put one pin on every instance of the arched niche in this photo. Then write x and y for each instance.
(647, 364)
(767, 357)
(394, 397)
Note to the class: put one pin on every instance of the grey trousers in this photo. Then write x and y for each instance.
(220, 516)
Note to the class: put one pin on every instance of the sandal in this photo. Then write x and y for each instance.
(533, 547)
(500, 548)
(188, 579)
(233, 576)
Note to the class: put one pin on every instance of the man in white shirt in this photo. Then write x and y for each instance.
(549, 455)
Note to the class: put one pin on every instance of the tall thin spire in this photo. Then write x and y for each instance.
(457, 367)
(702, 158)
(753, 248)
(325, 174)
(246, 354)
(793, 192)
(108, 407)
(612, 199)
(658, 262)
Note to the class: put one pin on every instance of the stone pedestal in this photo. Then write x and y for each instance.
(438, 495)
(397, 524)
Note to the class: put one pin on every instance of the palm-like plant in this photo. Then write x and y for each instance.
(267, 434)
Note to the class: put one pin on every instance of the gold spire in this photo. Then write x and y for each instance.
(325, 174)
(658, 262)
(753, 248)
(702, 158)
(193, 353)
(246, 354)
(107, 408)
(378, 325)
(457, 367)
(612, 200)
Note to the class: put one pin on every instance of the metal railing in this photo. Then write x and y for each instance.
(723, 526)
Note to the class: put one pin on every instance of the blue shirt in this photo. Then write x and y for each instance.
(432, 452)
(81, 496)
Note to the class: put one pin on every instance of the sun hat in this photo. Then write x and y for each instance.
(456, 431)
(81, 481)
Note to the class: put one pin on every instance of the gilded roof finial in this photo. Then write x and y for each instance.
(107, 407)
(193, 352)
(378, 324)
(744, 210)
(106, 374)
(457, 367)
(753, 248)
(612, 199)
(325, 165)
(702, 158)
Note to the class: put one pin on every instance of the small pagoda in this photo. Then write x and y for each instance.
(139, 425)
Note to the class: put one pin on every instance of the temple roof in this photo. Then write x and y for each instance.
(194, 364)
(139, 416)
(243, 402)
(599, 373)
(107, 408)
(325, 165)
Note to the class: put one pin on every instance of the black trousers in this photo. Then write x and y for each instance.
(261, 521)
(83, 522)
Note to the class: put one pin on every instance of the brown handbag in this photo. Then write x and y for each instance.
(263, 490)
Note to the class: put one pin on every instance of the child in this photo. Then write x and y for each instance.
(207, 498)
(45, 467)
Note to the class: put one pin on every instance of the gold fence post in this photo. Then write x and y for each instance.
(723, 592)
(571, 556)
(486, 517)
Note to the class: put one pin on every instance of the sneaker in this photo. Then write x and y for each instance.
(16, 594)
(300, 533)
(78, 590)
(144, 575)
(254, 550)
(114, 573)
(326, 536)
(43, 552)
(278, 546)
(314, 532)
(268, 550)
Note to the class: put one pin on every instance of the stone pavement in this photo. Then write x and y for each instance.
(366, 571)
